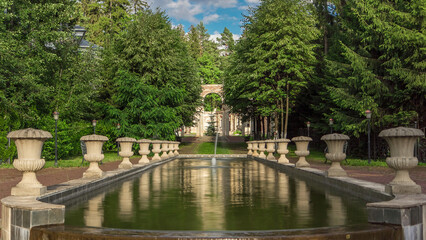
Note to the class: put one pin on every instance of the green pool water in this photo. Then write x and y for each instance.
(237, 194)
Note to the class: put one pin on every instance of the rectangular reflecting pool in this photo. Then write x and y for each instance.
(236, 194)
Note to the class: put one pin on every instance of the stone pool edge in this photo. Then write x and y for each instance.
(20, 214)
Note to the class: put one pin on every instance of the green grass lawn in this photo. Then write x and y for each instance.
(75, 161)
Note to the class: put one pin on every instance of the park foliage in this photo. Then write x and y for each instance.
(296, 61)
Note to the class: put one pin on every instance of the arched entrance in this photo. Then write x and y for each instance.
(225, 123)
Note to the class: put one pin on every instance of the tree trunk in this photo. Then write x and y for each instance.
(261, 127)
(282, 118)
(287, 99)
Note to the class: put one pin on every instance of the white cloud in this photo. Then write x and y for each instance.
(210, 18)
(189, 9)
(252, 1)
(183, 10)
(216, 35)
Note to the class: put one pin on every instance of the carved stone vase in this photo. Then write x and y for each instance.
(302, 143)
(29, 144)
(262, 149)
(401, 142)
(126, 152)
(270, 148)
(282, 150)
(156, 144)
(144, 150)
(164, 149)
(94, 154)
(335, 143)
(255, 147)
(249, 148)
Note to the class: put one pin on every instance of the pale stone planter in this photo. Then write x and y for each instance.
(171, 149)
(255, 147)
(270, 148)
(29, 144)
(144, 150)
(126, 152)
(156, 150)
(401, 142)
(176, 153)
(262, 149)
(302, 143)
(94, 154)
(249, 148)
(164, 149)
(335, 143)
(282, 150)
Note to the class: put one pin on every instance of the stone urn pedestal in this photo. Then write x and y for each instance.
(270, 148)
(144, 150)
(249, 148)
(176, 153)
(164, 149)
(29, 144)
(335, 143)
(401, 142)
(302, 143)
(156, 144)
(126, 152)
(282, 150)
(94, 154)
(262, 149)
(255, 147)
(171, 148)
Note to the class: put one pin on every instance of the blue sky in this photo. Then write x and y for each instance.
(215, 14)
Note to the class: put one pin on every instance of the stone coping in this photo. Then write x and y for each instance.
(212, 155)
(356, 232)
(65, 191)
(369, 191)
(401, 201)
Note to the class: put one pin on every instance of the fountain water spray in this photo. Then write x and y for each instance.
(215, 147)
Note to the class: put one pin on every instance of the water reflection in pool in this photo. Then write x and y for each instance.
(237, 194)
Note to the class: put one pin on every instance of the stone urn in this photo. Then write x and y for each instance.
(270, 148)
(171, 148)
(176, 153)
(401, 142)
(282, 150)
(255, 147)
(94, 154)
(335, 143)
(262, 149)
(126, 152)
(249, 148)
(302, 143)
(156, 150)
(164, 149)
(29, 144)
(144, 150)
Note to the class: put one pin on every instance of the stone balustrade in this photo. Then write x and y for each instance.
(126, 152)
(29, 143)
(94, 154)
(144, 150)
